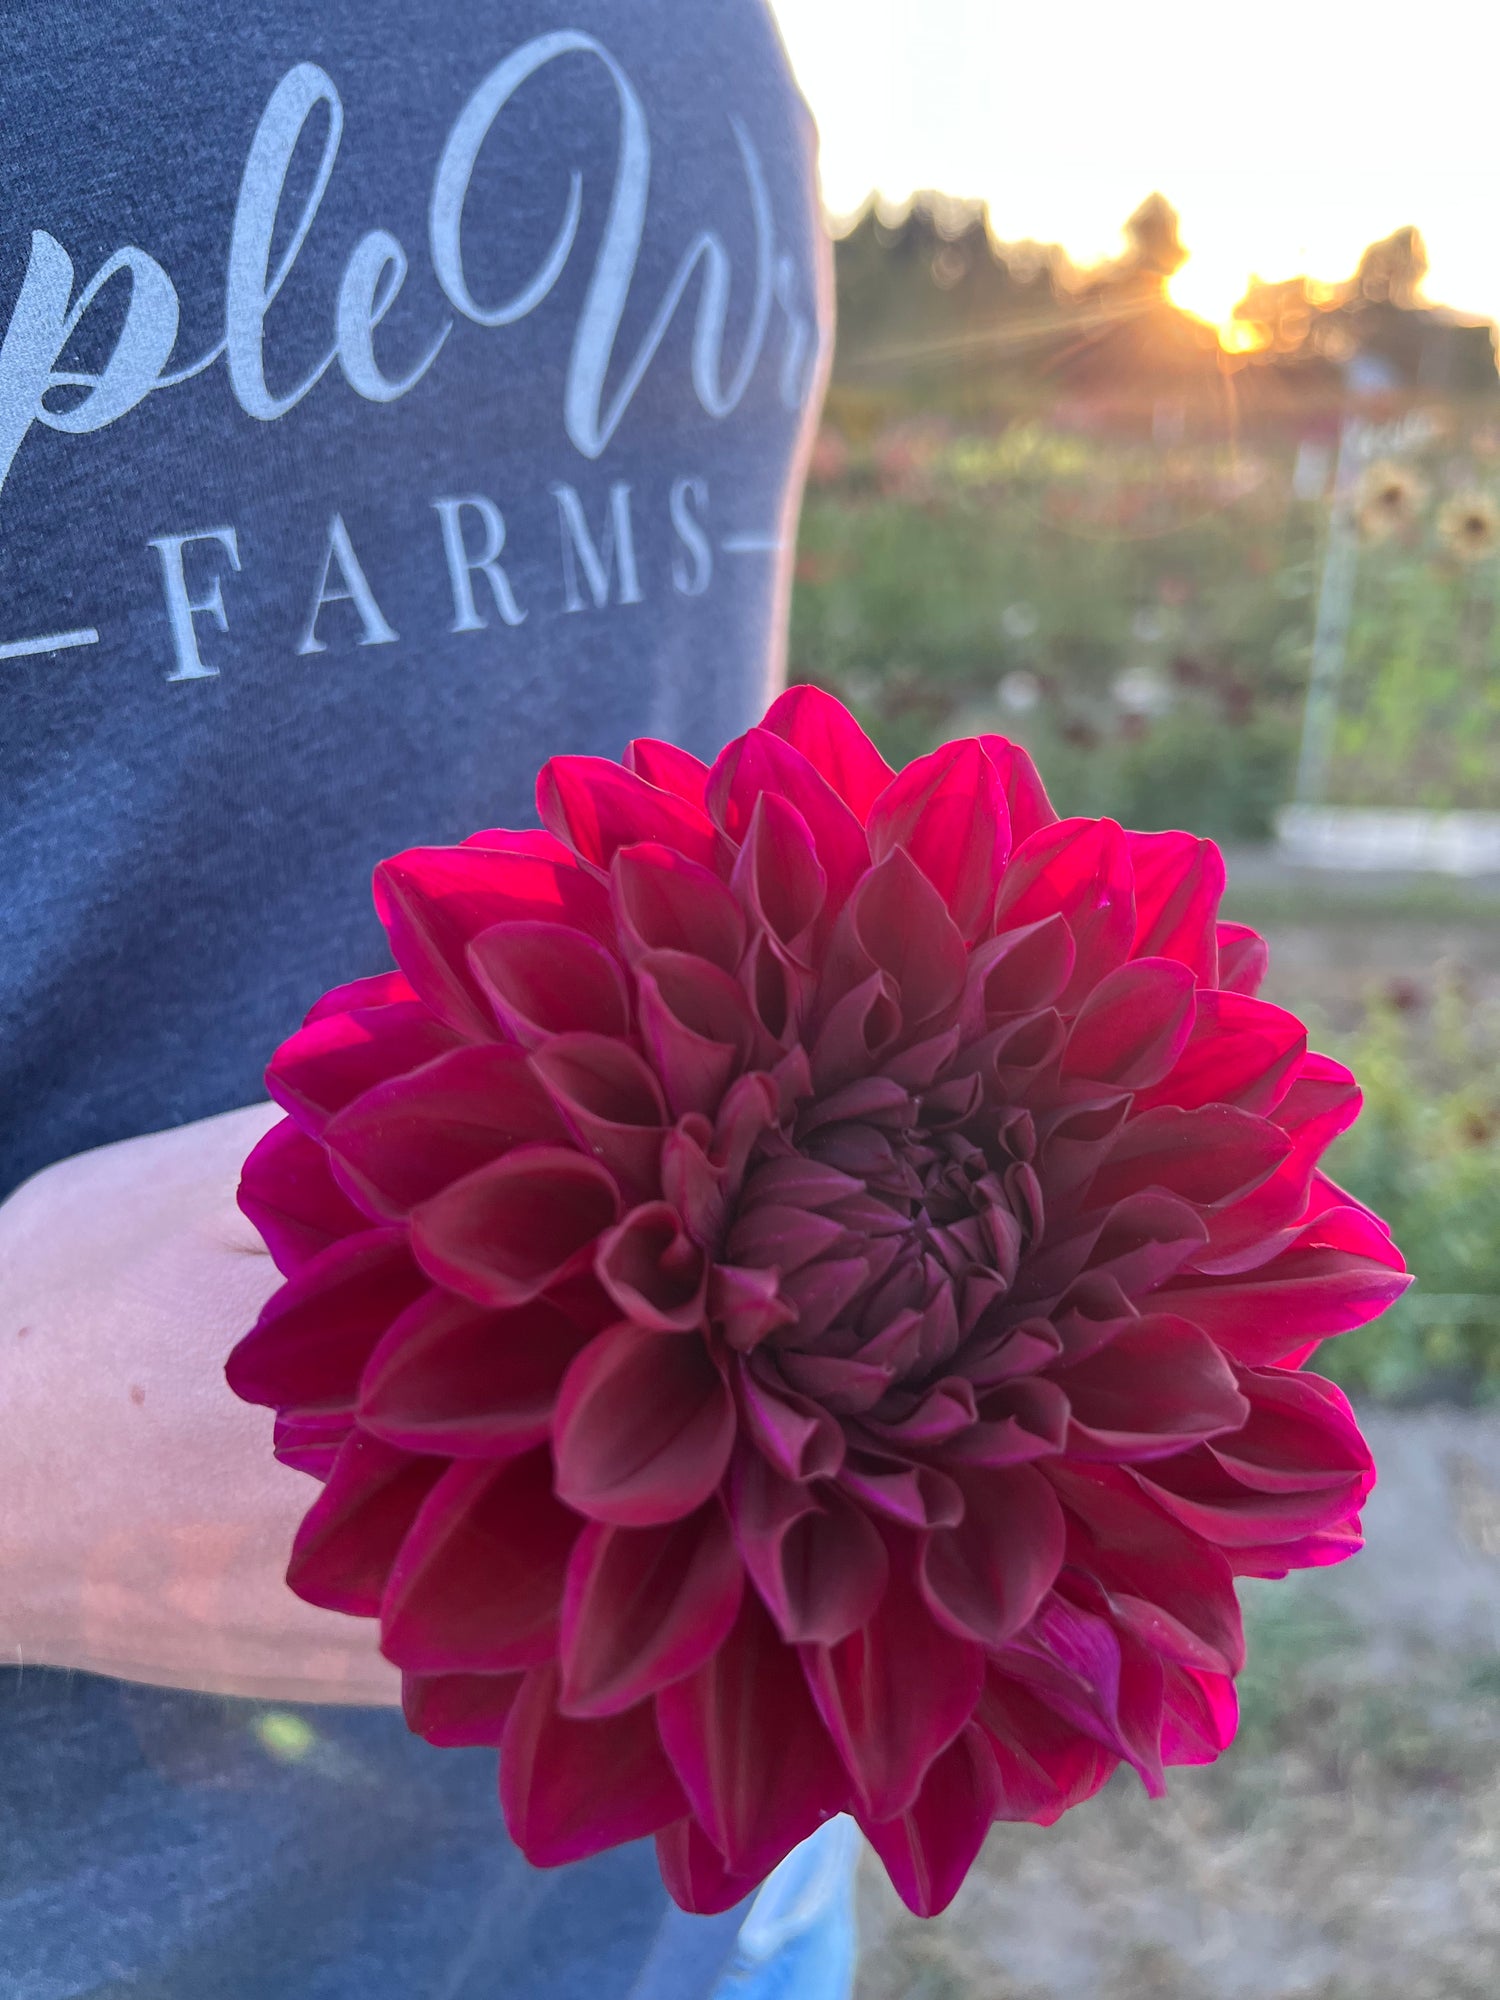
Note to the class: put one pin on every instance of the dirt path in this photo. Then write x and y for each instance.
(1348, 1847)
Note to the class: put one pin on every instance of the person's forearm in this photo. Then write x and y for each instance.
(144, 1524)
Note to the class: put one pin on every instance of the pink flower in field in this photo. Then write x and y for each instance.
(797, 1291)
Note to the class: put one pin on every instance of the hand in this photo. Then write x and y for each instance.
(144, 1524)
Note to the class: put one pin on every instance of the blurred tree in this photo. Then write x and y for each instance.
(933, 309)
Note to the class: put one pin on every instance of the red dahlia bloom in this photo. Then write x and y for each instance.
(797, 1290)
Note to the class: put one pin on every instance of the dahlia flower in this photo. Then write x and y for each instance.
(797, 1291)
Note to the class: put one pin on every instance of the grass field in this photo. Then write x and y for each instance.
(1143, 615)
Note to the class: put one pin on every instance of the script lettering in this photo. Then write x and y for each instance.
(252, 288)
(42, 324)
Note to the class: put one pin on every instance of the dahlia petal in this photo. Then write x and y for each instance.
(863, 1691)
(406, 1139)
(929, 1850)
(1019, 972)
(665, 903)
(612, 1101)
(1076, 1143)
(949, 813)
(833, 743)
(1241, 1051)
(991, 1359)
(597, 808)
(698, 1026)
(782, 1238)
(984, 1578)
(1080, 868)
(1296, 1422)
(336, 1059)
(644, 1428)
(693, 1872)
(1258, 1534)
(779, 991)
(691, 1181)
(1025, 795)
(653, 1270)
(1173, 1591)
(913, 1496)
(816, 1559)
(1107, 1687)
(435, 901)
(1134, 1025)
(1158, 1387)
(459, 1711)
(798, 1436)
(478, 1585)
(858, 1031)
(869, 1100)
(315, 1335)
(288, 1192)
(311, 1444)
(814, 1296)
(1044, 1765)
(746, 1306)
(841, 1383)
(1297, 1469)
(1145, 1239)
(504, 1234)
(945, 1410)
(382, 989)
(1243, 959)
(451, 1377)
(532, 843)
(760, 762)
(1338, 1273)
(748, 1748)
(570, 1788)
(1322, 1101)
(1179, 881)
(1200, 1716)
(778, 877)
(918, 1067)
(353, 1532)
(752, 1106)
(669, 768)
(548, 979)
(1212, 1156)
(643, 1607)
(897, 923)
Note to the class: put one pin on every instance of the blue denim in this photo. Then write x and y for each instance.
(798, 1942)
(159, 1846)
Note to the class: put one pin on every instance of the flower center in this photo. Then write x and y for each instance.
(895, 1236)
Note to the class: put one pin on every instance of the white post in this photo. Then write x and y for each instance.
(1335, 604)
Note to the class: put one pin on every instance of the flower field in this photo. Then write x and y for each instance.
(1140, 609)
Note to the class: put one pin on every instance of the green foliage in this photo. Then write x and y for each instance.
(1187, 770)
(1426, 1157)
(1157, 602)
(1419, 706)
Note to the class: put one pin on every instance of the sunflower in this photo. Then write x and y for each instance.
(1388, 499)
(1469, 526)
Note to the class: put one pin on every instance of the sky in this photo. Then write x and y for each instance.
(1286, 136)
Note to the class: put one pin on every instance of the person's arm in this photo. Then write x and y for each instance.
(144, 1525)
